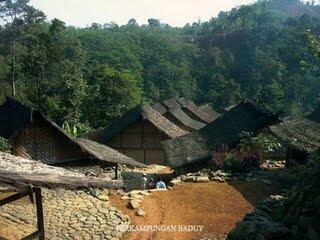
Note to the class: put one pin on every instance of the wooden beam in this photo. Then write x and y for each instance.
(32, 236)
(40, 220)
(13, 198)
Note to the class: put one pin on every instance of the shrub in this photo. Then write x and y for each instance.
(4, 145)
(236, 160)
(247, 155)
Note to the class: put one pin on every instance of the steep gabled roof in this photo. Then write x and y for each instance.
(15, 116)
(171, 103)
(209, 110)
(22, 173)
(226, 129)
(195, 112)
(144, 112)
(181, 117)
(159, 107)
(301, 133)
(104, 153)
(226, 109)
(315, 115)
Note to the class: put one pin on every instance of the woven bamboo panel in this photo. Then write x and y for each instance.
(45, 144)
(155, 156)
(132, 140)
(23, 143)
(152, 140)
(137, 154)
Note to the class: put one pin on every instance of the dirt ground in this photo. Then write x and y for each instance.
(216, 206)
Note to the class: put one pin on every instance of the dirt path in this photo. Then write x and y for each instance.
(216, 206)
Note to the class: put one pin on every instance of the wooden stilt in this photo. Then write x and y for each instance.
(39, 207)
(116, 171)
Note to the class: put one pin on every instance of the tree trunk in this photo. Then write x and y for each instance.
(13, 66)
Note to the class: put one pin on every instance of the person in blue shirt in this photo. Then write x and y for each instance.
(160, 184)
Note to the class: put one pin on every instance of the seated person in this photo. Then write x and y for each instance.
(160, 184)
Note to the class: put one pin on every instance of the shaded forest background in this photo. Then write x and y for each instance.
(90, 76)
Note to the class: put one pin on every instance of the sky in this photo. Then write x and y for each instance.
(82, 13)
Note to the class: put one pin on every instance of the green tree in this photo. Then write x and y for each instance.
(17, 14)
(111, 94)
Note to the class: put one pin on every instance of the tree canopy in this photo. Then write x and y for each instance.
(93, 75)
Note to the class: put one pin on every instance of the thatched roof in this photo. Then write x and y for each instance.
(22, 173)
(226, 109)
(194, 110)
(144, 112)
(189, 108)
(226, 129)
(159, 107)
(209, 110)
(15, 116)
(180, 116)
(301, 133)
(171, 103)
(104, 153)
(315, 115)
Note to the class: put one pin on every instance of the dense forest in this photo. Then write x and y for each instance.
(89, 76)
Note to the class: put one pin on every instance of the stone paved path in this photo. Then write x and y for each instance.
(68, 215)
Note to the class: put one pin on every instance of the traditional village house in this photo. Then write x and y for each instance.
(198, 146)
(139, 133)
(35, 137)
(301, 137)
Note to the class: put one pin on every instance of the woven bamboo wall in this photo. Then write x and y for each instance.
(40, 141)
(141, 141)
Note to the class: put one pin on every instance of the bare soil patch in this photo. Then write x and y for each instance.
(217, 206)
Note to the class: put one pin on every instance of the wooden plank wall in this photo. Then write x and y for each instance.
(141, 141)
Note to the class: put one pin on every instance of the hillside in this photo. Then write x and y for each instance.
(252, 52)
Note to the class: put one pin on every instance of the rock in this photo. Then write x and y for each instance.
(277, 197)
(103, 198)
(134, 192)
(157, 190)
(202, 179)
(175, 182)
(94, 192)
(135, 203)
(190, 179)
(140, 212)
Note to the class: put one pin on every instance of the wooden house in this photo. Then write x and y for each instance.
(33, 136)
(198, 146)
(139, 133)
(301, 137)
